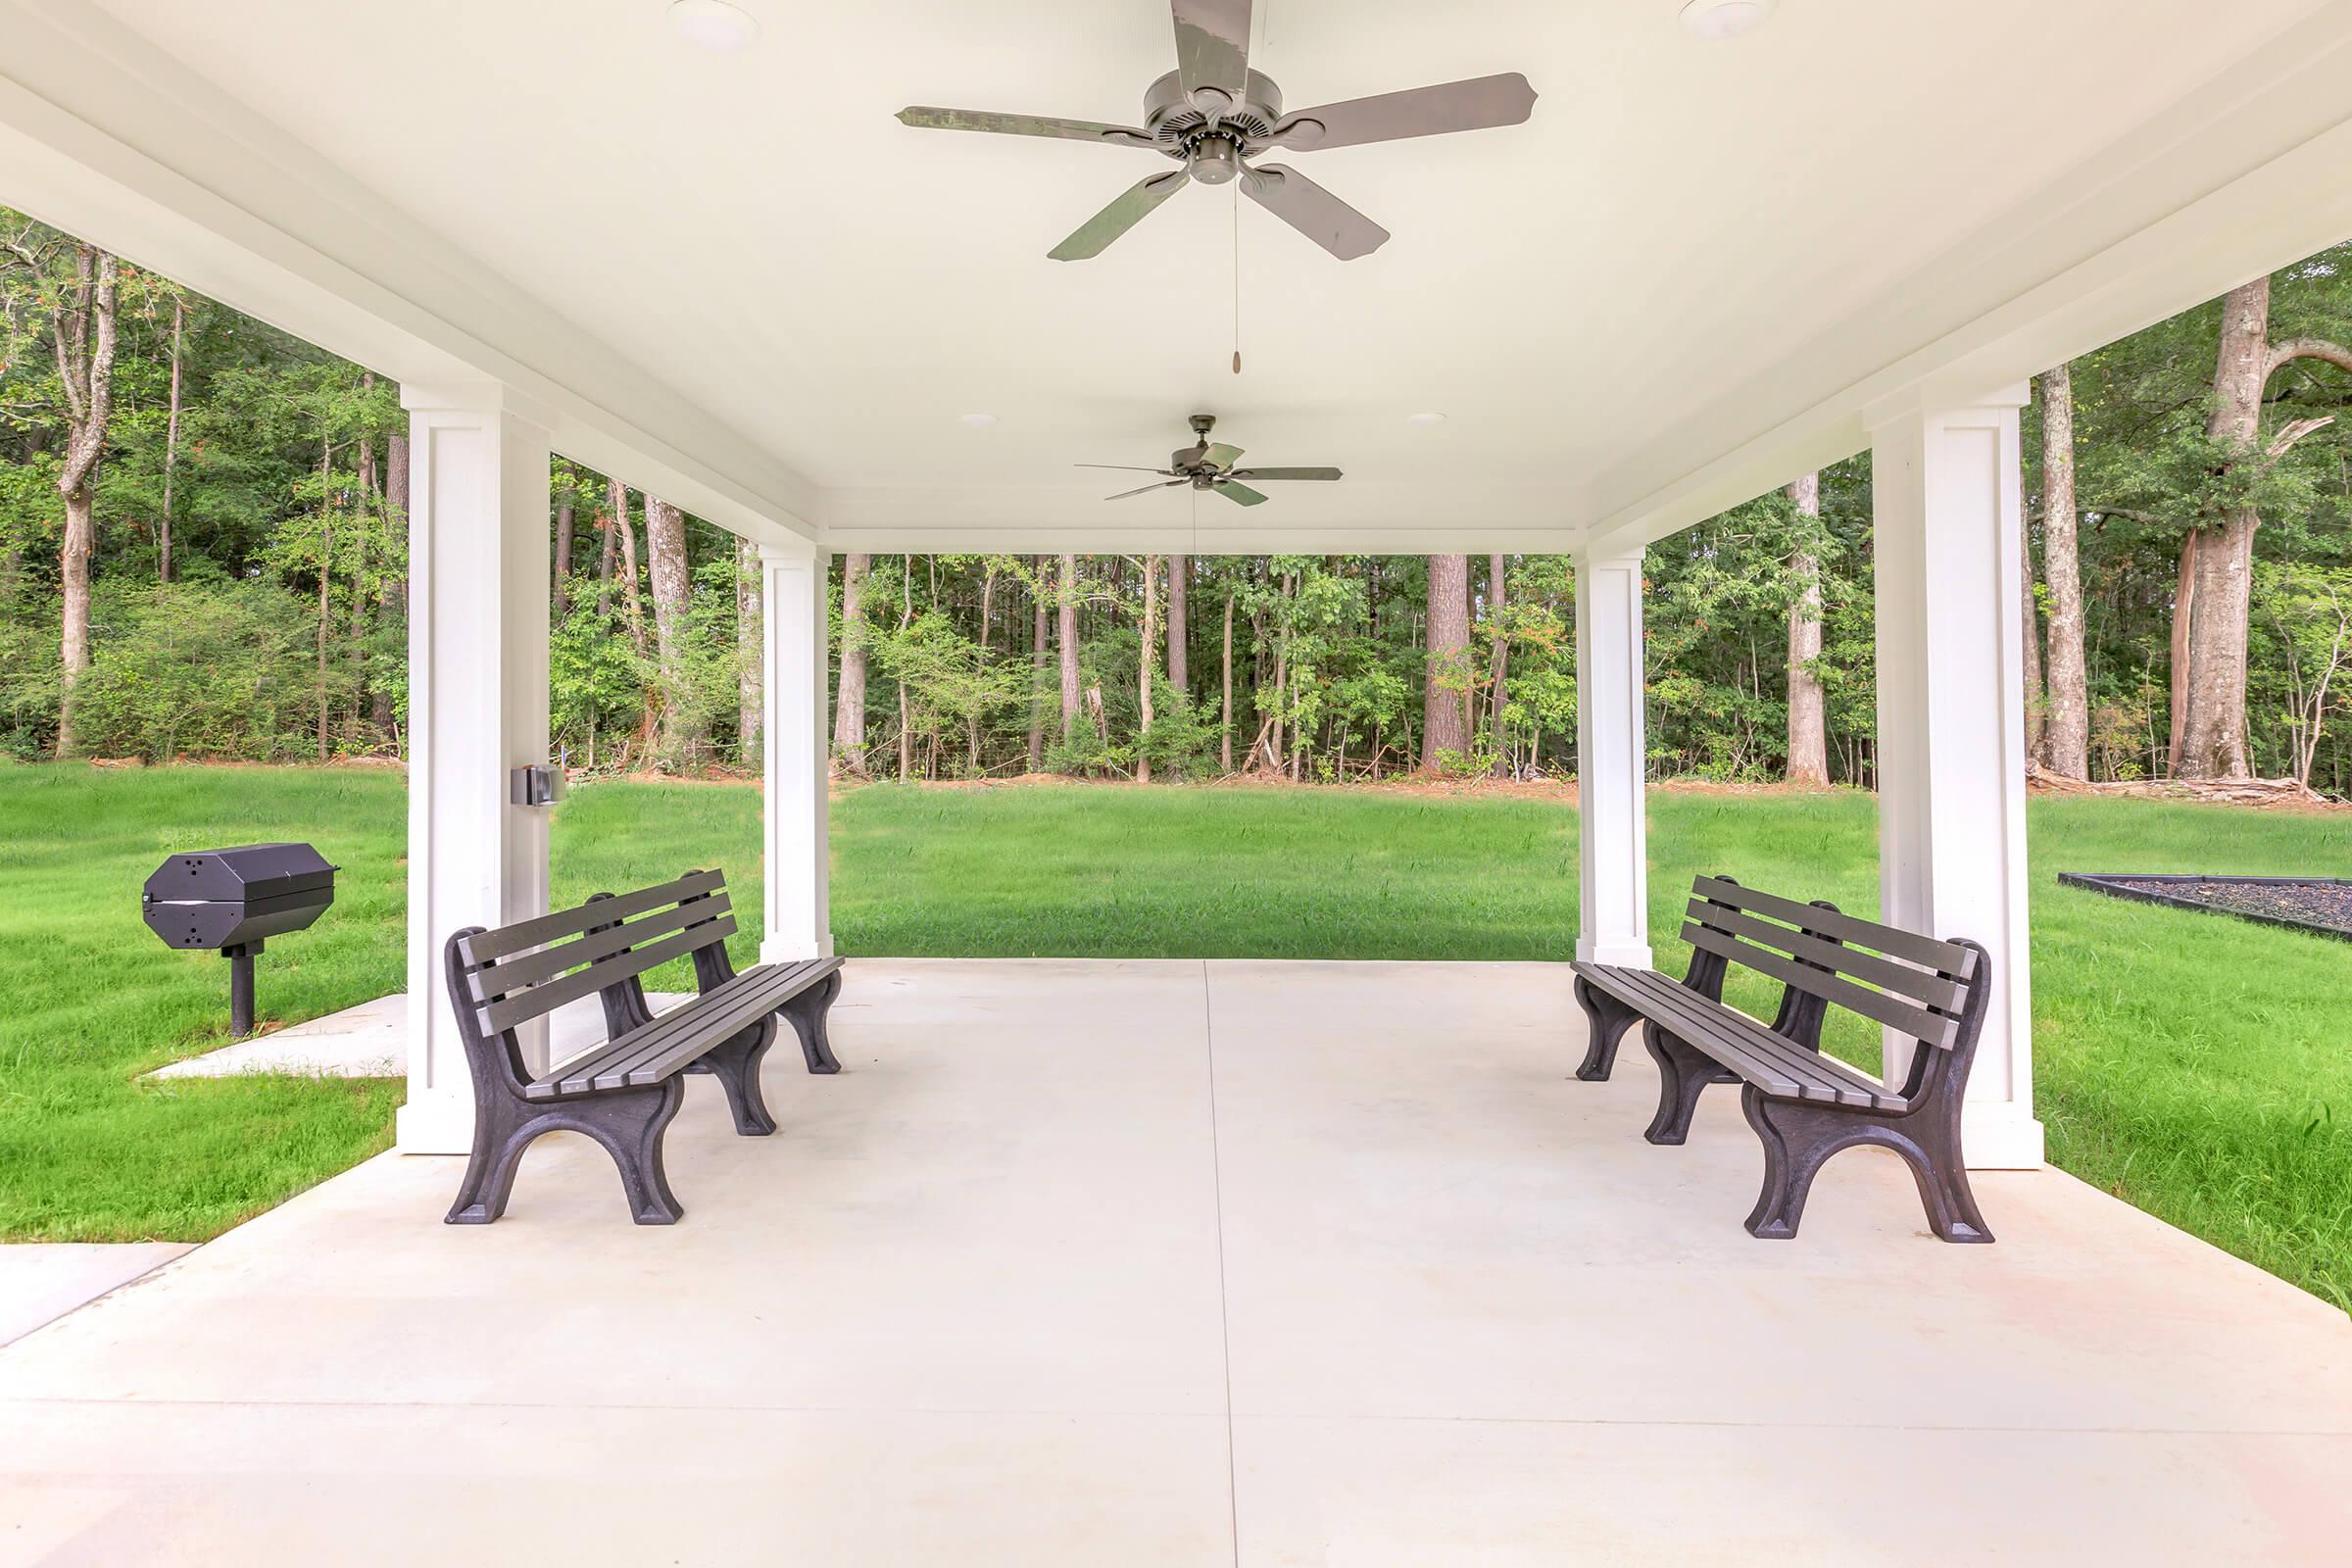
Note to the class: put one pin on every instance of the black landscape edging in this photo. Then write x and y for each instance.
(2117, 885)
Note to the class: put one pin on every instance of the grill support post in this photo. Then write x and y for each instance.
(240, 987)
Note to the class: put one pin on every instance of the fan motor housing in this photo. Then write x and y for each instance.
(1174, 122)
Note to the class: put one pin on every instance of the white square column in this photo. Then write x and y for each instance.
(799, 868)
(1948, 513)
(1611, 764)
(479, 581)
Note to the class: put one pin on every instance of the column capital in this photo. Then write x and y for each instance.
(1926, 399)
(1618, 555)
(798, 553)
(477, 398)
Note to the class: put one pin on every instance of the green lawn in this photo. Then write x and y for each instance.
(2195, 1065)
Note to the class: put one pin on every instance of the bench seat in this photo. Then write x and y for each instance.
(679, 1038)
(1774, 1063)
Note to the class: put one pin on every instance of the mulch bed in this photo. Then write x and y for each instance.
(2321, 905)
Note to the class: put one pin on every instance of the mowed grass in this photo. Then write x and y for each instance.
(2195, 1065)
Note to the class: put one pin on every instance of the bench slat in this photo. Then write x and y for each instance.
(660, 1049)
(784, 978)
(1778, 1065)
(1945, 958)
(541, 999)
(1934, 1028)
(538, 931)
(1934, 989)
(513, 975)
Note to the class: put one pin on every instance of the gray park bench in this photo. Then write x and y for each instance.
(1804, 1106)
(623, 1092)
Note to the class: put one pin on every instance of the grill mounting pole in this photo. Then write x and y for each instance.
(240, 987)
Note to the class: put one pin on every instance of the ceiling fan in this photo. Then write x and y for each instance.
(1208, 464)
(1212, 114)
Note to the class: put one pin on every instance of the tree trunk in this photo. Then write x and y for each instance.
(751, 708)
(1496, 695)
(392, 604)
(2066, 737)
(1808, 707)
(2185, 610)
(604, 525)
(1148, 666)
(1180, 567)
(1225, 719)
(849, 706)
(361, 515)
(906, 713)
(674, 588)
(617, 497)
(1037, 666)
(565, 509)
(326, 574)
(82, 333)
(2214, 739)
(2036, 684)
(1066, 601)
(179, 322)
(1444, 726)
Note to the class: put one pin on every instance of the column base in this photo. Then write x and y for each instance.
(440, 1125)
(785, 950)
(1630, 954)
(1999, 1135)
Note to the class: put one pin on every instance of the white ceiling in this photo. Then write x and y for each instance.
(1679, 219)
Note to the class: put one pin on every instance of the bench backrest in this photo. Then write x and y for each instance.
(1917, 984)
(528, 969)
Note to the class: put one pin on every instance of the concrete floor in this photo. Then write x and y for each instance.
(1142, 1263)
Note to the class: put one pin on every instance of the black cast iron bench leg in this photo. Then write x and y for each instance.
(1684, 1073)
(735, 1063)
(1799, 1139)
(805, 1013)
(1610, 1020)
(630, 1125)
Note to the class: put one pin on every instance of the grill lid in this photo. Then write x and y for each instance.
(244, 875)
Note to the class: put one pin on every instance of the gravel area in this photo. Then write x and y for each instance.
(2324, 904)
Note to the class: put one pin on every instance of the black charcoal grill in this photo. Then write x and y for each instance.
(229, 900)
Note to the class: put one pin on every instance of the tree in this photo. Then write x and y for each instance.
(849, 708)
(1179, 629)
(1445, 687)
(750, 637)
(1808, 707)
(2222, 557)
(673, 577)
(1037, 664)
(82, 339)
(1066, 598)
(1150, 644)
(616, 496)
(2066, 736)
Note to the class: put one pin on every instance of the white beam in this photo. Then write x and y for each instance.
(798, 873)
(479, 580)
(1611, 764)
(1948, 514)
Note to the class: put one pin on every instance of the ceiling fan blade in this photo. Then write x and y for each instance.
(1475, 105)
(930, 118)
(1147, 489)
(1314, 212)
(1213, 51)
(1122, 468)
(1240, 493)
(1286, 473)
(1221, 455)
(1133, 206)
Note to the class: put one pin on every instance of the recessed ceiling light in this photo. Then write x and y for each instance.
(712, 24)
(1725, 19)
(978, 421)
(1425, 419)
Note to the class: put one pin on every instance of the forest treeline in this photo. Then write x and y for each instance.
(203, 555)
